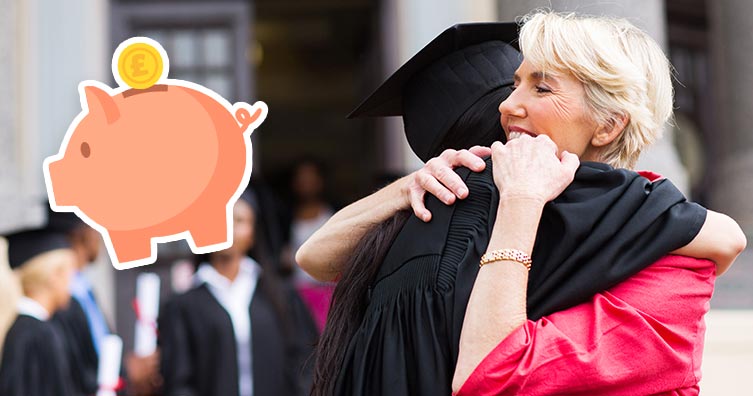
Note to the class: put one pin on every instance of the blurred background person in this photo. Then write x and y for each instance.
(310, 210)
(82, 323)
(241, 330)
(34, 361)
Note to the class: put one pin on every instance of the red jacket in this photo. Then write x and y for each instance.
(642, 337)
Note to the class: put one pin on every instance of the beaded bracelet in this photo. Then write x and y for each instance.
(506, 254)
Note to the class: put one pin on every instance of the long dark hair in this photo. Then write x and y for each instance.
(349, 300)
(477, 126)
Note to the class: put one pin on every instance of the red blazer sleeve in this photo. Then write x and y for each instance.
(644, 336)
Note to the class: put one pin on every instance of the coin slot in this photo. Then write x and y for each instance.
(85, 150)
(153, 88)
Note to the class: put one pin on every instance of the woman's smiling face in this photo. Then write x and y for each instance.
(551, 104)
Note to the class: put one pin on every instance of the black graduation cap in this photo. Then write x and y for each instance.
(444, 79)
(22, 246)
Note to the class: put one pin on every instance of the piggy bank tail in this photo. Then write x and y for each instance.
(246, 119)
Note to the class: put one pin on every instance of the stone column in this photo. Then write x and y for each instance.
(732, 151)
(731, 158)
(650, 16)
(46, 49)
(20, 192)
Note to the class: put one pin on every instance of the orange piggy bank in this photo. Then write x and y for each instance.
(152, 165)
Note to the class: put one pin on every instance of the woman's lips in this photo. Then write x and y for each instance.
(516, 132)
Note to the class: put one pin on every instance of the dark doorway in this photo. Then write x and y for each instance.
(315, 60)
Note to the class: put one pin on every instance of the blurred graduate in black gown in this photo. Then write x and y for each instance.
(33, 361)
(83, 324)
(240, 331)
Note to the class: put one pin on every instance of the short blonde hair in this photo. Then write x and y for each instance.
(37, 272)
(624, 73)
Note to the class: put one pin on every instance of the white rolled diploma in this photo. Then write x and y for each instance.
(108, 372)
(147, 300)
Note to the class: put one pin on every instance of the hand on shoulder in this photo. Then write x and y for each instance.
(438, 178)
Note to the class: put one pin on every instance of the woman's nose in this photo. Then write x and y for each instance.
(512, 106)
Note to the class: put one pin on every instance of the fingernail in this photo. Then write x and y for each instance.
(463, 191)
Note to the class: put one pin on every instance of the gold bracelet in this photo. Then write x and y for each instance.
(506, 254)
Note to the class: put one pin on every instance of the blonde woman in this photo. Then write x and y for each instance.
(33, 356)
(588, 89)
(605, 308)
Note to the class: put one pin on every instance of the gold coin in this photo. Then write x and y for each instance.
(140, 65)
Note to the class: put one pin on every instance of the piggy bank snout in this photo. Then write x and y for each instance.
(60, 183)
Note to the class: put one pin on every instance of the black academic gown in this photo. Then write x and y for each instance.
(33, 362)
(608, 225)
(199, 355)
(82, 356)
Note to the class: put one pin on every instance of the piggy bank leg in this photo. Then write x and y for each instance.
(131, 246)
(210, 231)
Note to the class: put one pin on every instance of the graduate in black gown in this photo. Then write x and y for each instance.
(241, 330)
(83, 324)
(398, 310)
(33, 361)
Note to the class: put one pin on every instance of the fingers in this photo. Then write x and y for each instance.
(417, 203)
(439, 179)
(431, 184)
(570, 161)
(547, 142)
(469, 160)
(481, 151)
(440, 170)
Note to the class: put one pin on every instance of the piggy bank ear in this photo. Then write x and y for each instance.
(100, 104)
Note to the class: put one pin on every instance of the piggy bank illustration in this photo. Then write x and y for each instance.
(152, 165)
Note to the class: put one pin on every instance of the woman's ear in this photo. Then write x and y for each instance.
(607, 133)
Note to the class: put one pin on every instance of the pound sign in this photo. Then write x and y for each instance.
(137, 65)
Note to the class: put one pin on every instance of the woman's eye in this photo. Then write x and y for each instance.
(542, 89)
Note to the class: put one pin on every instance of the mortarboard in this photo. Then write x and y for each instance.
(23, 246)
(434, 88)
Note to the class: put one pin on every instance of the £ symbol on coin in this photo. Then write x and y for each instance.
(137, 65)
